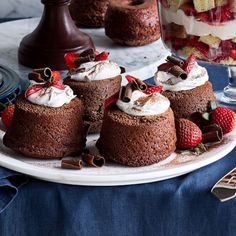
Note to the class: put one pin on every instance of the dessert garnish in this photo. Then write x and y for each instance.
(212, 133)
(7, 115)
(93, 160)
(40, 75)
(73, 164)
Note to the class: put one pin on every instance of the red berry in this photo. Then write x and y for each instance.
(70, 59)
(102, 56)
(7, 115)
(233, 54)
(189, 134)
(188, 9)
(165, 3)
(189, 63)
(130, 78)
(58, 85)
(111, 100)
(225, 118)
(32, 89)
(203, 16)
(202, 47)
(56, 76)
(155, 89)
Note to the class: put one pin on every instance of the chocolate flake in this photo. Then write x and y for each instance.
(74, 164)
(45, 73)
(212, 133)
(175, 61)
(178, 72)
(126, 93)
(86, 56)
(93, 160)
(139, 84)
(122, 69)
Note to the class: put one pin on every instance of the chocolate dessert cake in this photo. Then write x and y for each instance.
(93, 82)
(43, 131)
(132, 22)
(89, 13)
(139, 132)
(189, 94)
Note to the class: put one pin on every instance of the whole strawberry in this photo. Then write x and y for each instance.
(189, 134)
(225, 118)
(7, 115)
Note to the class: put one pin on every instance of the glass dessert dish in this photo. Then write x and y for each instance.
(205, 28)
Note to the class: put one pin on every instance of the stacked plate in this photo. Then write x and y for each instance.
(9, 86)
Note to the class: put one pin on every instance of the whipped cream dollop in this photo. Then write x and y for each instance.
(96, 70)
(142, 104)
(223, 30)
(197, 77)
(51, 96)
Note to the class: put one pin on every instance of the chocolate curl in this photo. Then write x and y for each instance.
(126, 92)
(212, 133)
(122, 69)
(139, 84)
(86, 56)
(45, 73)
(35, 77)
(93, 161)
(173, 69)
(175, 61)
(75, 164)
(178, 72)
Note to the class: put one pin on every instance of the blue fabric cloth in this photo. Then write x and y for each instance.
(179, 206)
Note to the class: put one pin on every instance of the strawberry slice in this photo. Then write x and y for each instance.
(103, 56)
(7, 115)
(58, 85)
(154, 89)
(56, 76)
(189, 64)
(233, 54)
(32, 89)
(111, 100)
(130, 78)
(70, 59)
(188, 9)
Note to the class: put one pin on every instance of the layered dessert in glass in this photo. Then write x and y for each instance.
(205, 28)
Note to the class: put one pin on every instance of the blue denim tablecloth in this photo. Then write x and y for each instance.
(179, 206)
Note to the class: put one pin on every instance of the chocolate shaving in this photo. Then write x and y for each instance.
(126, 92)
(93, 160)
(175, 61)
(212, 133)
(74, 164)
(122, 69)
(139, 84)
(178, 72)
(86, 56)
(45, 73)
(173, 69)
(35, 77)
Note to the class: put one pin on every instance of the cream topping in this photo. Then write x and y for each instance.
(224, 30)
(96, 70)
(142, 104)
(197, 77)
(52, 96)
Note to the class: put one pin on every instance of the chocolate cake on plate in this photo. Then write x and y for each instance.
(139, 130)
(93, 79)
(47, 121)
(186, 84)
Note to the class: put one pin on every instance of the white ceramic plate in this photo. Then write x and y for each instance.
(114, 174)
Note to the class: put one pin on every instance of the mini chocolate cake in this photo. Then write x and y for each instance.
(132, 22)
(89, 13)
(93, 94)
(137, 140)
(46, 132)
(184, 103)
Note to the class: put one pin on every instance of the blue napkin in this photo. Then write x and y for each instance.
(10, 182)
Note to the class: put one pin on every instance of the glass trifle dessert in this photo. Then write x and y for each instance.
(205, 28)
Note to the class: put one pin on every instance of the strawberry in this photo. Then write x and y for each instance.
(56, 76)
(102, 56)
(189, 134)
(178, 43)
(32, 89)
(70, 59)
(130, 78)
(189, 64)
(203, 16)
(7, 115)
(225, 118)
(188, 9)
(165, 3)
(111, 100)
(58, 85)
(154, 89)
(233, 54)
(202, 47)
